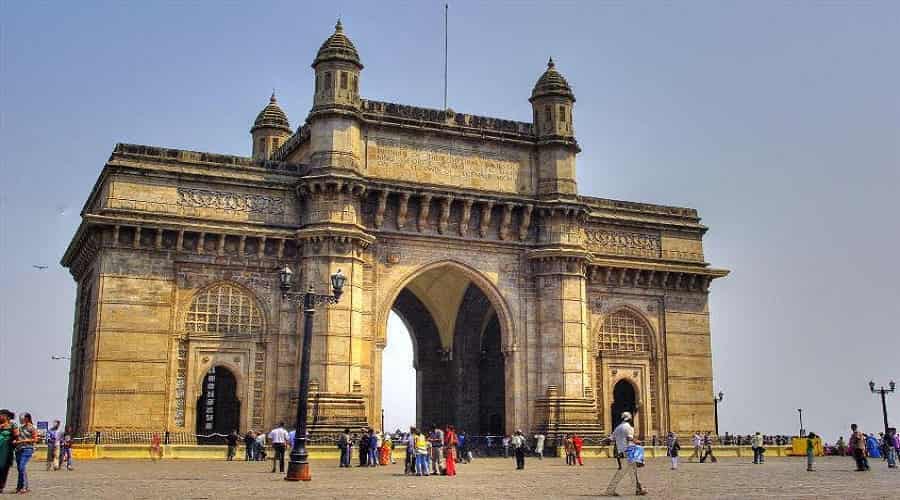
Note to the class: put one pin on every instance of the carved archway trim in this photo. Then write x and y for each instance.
(486, 286)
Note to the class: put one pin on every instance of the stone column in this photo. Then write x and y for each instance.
(331, 240)
(563, 324)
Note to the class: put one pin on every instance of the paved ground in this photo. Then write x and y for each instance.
(483, 479)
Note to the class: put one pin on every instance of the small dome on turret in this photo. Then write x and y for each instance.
(551, 83)
(338, 48)
(272, 116)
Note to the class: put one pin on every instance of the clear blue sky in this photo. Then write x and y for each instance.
(779, 121)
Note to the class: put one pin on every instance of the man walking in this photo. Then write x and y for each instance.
(858, 445)
(756, 442)
(539, 445)
(518, 444)
(231, 440)
(697, 441)
(624, 438)
(278, 437)
(708, 450)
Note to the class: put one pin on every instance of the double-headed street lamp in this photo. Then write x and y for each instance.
(883, 391)
(717, 398)
(298, 468)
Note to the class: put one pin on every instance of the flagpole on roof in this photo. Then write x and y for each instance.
(446, 7)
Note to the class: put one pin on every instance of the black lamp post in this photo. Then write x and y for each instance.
(298, 468)
(891, 387)
(717, 398)
(802, 432)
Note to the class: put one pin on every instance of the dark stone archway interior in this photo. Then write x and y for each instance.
(218, 408)
(624, 399)
(464, 387)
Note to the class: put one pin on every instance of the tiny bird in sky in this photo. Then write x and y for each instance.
(36, 266)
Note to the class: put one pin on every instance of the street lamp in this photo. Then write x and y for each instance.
(58, 357)
(891, 387)
(800, 411)
(298, 468)
(717, 398)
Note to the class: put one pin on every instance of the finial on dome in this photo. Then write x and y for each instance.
(550, 63)
(272, 99)
(339, 28)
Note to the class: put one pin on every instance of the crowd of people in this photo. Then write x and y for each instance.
(439, 449)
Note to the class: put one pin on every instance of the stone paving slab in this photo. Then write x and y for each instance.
(483, 479)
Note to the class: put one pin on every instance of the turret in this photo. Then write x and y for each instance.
(552, 101)
(333, 123)
(270, 129)
(337, 68)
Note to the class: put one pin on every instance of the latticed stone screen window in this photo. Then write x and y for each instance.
(623, 331)
(224, 310)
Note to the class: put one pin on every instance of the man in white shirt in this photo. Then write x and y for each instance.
(539, 445)
(624, 438)
(518, 444)
(278, 437)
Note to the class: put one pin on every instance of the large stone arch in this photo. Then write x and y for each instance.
(499, 308)
(507, 330)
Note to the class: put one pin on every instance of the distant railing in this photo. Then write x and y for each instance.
(487, 445)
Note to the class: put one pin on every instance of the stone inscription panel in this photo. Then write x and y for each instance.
(618, 242)
(447, 165)
(240, 204)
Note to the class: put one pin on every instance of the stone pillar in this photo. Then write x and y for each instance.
(563, 325)
(332, 240)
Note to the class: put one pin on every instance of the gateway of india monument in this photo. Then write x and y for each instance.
(530, 305)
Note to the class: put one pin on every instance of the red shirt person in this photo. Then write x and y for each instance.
(578, 443)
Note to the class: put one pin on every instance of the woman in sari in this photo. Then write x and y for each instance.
(385, 451)
(450, 444)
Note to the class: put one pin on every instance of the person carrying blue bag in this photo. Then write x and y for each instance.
(623, 435)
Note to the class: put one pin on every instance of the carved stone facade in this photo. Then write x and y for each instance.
(531, 306)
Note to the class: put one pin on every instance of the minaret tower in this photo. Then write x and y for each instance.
(270, 130)
(552, 101)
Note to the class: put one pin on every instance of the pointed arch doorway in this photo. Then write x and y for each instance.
(218, 407)
(624, 399)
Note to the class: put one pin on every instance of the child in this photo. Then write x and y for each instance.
(674, 447)
(155, 447)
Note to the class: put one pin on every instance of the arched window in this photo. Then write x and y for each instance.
(547, 115)
(343, 80)
(224, 310)
(562, 114)
(624, 331)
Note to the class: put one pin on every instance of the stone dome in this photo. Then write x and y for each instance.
(551, 83)
(338, 48)
(272, 116)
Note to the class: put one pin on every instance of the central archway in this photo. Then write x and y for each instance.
(455, 319)
(624, 399)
